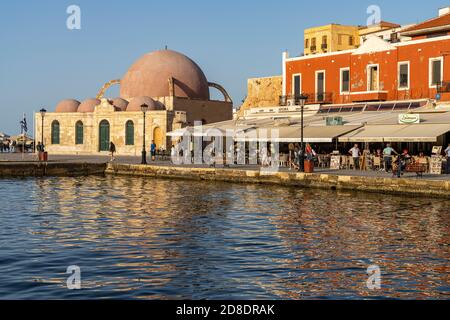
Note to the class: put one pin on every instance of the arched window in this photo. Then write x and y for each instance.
(129, 133)
(79, 134)
(55, 132)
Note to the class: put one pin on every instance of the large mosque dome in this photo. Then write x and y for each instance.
(149, 76)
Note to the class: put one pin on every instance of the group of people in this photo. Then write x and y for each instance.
(7, 146)
(296, 155)
(388, 153)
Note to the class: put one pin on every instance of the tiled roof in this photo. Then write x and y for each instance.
(429, 24)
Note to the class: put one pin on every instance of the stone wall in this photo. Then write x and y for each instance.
(262, 92)
(41, 169)
(410, 187)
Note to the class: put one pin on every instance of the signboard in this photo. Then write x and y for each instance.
(409, 118)
(436, 165)
(437, 150)
(335, 121)
(335, 163)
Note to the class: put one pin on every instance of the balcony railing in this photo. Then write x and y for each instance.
(324, 46)
(313, 98)
(313, 48)
(443, 87)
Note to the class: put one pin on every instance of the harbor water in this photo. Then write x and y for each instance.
(144, 238)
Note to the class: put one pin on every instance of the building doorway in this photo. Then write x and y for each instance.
(104, 138)
(158, 137)
(373, 77)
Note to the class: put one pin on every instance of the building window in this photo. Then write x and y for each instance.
(372, 77)
(307, 43)
(340, 39)
(403, 75)
(313, 44)
(55, 132)
(351, 41)
(436, 71)
(129, 133)
(320, 86)
(296, 84)
(345, 80)
(79, 134)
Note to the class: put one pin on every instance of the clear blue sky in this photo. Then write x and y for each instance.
(42, 62)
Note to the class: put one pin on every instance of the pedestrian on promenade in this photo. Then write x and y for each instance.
(112, 150)
(356, 154)
(153, 150)
(387, 157)
(447, 154)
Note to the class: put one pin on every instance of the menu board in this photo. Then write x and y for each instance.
(436, 165)
(335, 163)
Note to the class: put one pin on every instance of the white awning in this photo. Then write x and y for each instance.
(397, 133)
(311, 134)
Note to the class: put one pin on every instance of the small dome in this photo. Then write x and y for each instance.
(149, 77)
(120, 104)
(88, 105)
(69, 105)
(136, 103)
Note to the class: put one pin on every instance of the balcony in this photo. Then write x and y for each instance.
(313, 98)
(324, 46)
(313, 48)
(443, 87)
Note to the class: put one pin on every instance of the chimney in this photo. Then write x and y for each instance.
(444, 11)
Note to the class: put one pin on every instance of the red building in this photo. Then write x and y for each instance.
(376, 71)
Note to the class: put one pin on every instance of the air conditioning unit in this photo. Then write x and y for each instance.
(291, 102)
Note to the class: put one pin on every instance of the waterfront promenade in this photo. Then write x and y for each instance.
(349, 180)
(9, 158)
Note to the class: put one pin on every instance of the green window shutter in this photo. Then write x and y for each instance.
(129, 133)
(55, 132)
(79, 133)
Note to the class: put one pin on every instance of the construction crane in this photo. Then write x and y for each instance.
(105, 87)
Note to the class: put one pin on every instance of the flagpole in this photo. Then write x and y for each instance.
(23, 136)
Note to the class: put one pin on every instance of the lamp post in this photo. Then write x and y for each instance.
(302, 99)
(42, 112)
(144, 109)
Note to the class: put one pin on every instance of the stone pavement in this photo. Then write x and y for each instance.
(18, 158)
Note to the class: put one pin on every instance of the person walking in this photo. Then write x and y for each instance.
(387, 157)
(112, 150)
(356, 154)
(447, 154)
(153, 150)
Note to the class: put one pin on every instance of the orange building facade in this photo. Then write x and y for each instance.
(377, 71)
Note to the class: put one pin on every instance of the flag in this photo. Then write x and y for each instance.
(23, 124)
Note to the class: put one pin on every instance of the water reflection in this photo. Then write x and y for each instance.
(163, 239)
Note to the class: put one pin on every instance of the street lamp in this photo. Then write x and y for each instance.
(144, 109)
(42, 112)
(302, 100)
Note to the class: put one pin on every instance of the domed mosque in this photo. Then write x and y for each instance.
(174, 89)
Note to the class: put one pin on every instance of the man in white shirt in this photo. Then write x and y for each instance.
(356, 153)
(447, 154)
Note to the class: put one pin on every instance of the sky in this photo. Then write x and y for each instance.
(43, 62)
